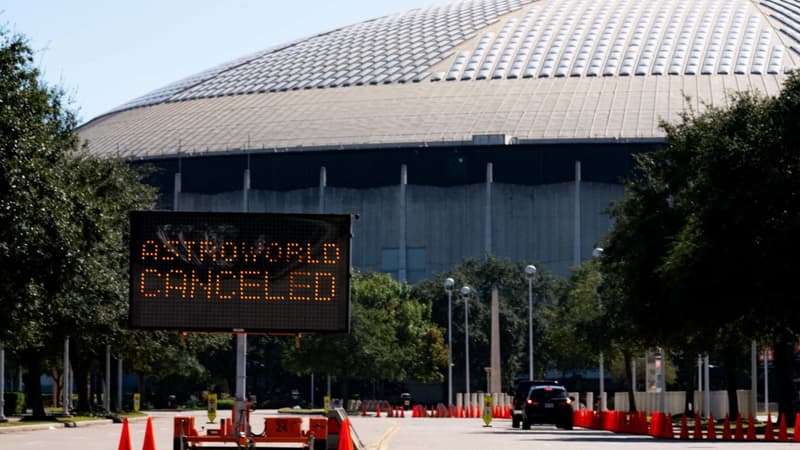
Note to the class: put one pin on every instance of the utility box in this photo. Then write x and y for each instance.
(283, 426)
(318, 426)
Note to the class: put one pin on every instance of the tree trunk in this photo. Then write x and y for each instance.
(689, 408)
(344, 389)
(112, 393)
(629, 381)
(57, 381)
(140, 388)
(33, 387)
(729, 358)
(82, 384)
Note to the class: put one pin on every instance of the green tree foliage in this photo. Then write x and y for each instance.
(392, 338)
(512, 284)
(701, 253)
(63, 216)
(35, 135)
(574, 325)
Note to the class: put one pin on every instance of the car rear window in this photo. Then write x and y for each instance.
(541, 394)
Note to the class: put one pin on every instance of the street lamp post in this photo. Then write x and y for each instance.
(465, 294)
(596, 253)
(448, 287)
(530, 272)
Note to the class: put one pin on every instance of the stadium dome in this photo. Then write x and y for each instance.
(507, 124)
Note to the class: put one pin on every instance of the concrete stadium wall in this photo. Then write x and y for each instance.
(444, 225)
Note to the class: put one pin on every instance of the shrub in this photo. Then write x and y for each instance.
(14, 403)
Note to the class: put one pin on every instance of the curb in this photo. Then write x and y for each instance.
(60, 425)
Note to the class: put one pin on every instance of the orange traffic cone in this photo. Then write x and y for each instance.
(783, 435)
(769, 433)
(684, 429)
(125, 437)
(345, 439)
(377, 409)
(698, 431)
(797, 427)
(149, 439)
(711, 434)
(668, 433)
(751, 428)
(726, 428)
(363, 409)
(739, 432)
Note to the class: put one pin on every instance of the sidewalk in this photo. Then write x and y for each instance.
(56, 425)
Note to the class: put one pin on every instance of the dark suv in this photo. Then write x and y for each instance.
(548, 404)
(521, 395)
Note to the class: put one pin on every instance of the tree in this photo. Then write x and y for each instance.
(509, 277)
(392, 338)
(702, 246)
(63, 217)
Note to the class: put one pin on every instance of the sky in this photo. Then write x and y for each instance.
(104, 53)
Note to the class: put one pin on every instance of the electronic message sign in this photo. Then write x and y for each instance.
(240, 272)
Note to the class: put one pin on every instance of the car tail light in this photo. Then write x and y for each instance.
(530, 402)
(569, 401)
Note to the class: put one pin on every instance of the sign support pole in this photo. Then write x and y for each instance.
(241, 338)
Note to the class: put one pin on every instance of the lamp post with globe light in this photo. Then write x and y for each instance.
(465, 291)
(596, 253)
(448, 287)
(530, 273)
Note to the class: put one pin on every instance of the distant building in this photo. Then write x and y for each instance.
(483, 126)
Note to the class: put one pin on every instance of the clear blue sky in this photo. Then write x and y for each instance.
(104, 53)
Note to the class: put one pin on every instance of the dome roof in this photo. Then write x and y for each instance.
(546, 70)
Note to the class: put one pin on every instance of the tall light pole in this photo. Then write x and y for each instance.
(530, 272)
(465, 295)
(596, 253)
(448, 287)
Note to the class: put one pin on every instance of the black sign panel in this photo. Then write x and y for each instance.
(242, 272)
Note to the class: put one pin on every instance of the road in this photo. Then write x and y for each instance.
(378, 434)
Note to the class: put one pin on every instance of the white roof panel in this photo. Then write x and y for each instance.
(341, 79)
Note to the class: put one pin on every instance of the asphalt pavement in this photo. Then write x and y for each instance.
(375, 433)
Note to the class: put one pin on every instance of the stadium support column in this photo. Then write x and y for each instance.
(487, 237)
(402, 251)
(176, 192)
(323, 182)
(576, 231)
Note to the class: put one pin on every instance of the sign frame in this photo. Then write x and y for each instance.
(270, 273)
